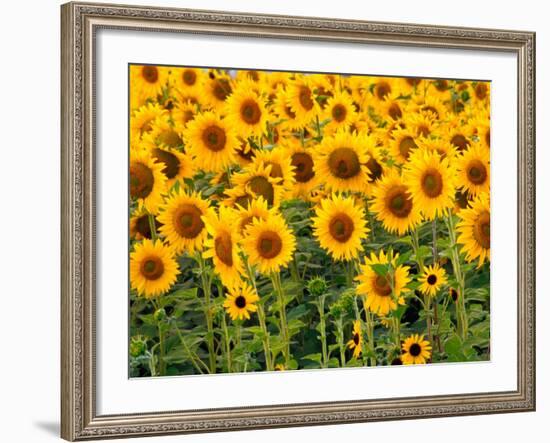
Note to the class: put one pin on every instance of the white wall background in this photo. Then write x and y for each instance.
(29, 218)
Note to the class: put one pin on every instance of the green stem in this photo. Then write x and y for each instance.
(195, 359)
(227, 343)
(206, 287)
(462, 318)
(370, 335)
(152, 227)
(276, 280)
(261, 320)
(322, 325)
(340, 339)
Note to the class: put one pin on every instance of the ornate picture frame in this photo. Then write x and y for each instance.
(80, 22)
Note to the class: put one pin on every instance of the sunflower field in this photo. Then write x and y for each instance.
(285, 221)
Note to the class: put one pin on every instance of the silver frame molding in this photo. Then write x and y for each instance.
(79, 22)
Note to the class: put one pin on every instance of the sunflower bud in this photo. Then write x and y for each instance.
(138, 346)
(317, 286)
(159, 315)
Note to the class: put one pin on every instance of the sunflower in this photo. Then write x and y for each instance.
(422, 124)
(280, 163)
(153, 268)
(183, 226)
(216, 88)
(183, 113)
(392, 108)
(474, 229)
(165, 133)
(480, 126)
(342, 162)
(142, 119)
(383, 87)
(211, 142)
(140, 225)
(256, 208)
(301, 159)
(416, 350)
(240, 302)
(188, 81)
(257, 181)
(444, 148)
(393, 204)
(383, 291)
(148, 79)
(473, 172)
(301, 100)
(222, 245)
(287, 118)
(147, 182)
(356, 341)
(269, 243)
(402, 142)
(430, 181)
(340, 111)
(340, 225)
(432, 279)
(177, 165)
(246, 111)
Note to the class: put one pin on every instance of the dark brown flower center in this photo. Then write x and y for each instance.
(382, 89)
(396, 361)
(243, 200)
(189, 77)
(413, 81)
(441, 85)
(150, 74)
(143, 227)
(141, 180)
(171, 162)
(214, 138)
(261, 186)
(394, 111)
(488, 137)
(224, 248)
(339, 113)
(244, 151)
(432, 279)
(251, 112)
(423, 130)
(481, 91)
(461, 199)
(482, 230)
(382, 285)
(170, 138)
(375, 170)
(221, 89)
(240, 302)
(398, 202)
(305, 98)
(415, 350)
(406, 145)
(460, 142)
(431, 109)
(344, 163)
(152, 268)
(432, 183)
(187, 221)
(303, 164)
(269, 244)
(477, 173)
(341, 227)
(356, 339)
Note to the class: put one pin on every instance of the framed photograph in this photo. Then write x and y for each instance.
(284, 221)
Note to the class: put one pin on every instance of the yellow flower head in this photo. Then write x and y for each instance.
(383, 290)
(240, 302)
(222, 245)
(474, 229)
(211, 142)
(356, 341)
(393, 204)
(340, 226)
(432, 279)
(182, 223)
(147, 182)
(153, 268)
(473, 170)
(269, 244)
(416, 350)
(246, 111)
